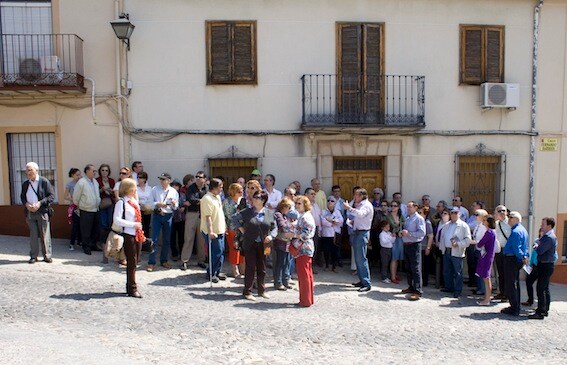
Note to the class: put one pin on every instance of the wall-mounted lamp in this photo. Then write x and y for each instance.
(123, 28)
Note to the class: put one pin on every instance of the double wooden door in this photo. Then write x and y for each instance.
(366, 172)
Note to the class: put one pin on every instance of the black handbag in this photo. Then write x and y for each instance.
(148, 245)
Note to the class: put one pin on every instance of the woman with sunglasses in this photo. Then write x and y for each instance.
(258, 229)
(125, 173)
(303, 248)
(107, 198)
(396, 220)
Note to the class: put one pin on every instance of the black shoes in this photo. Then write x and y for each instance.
(184, 266)
(87, 251)
(536, 315)
(32, 261)
(509, 311)
(357, 285)
(48, 260)
(202, 265)
(135, 294)
(364, 289)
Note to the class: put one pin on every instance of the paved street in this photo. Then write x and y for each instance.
(75, 311)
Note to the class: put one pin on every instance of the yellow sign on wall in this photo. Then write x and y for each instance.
(549, 144)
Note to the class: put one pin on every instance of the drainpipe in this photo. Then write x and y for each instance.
(118, 46)
(93, 93)
(533, 117)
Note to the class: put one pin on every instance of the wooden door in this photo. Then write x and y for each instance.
(232, 168)
(479, 179)
(360, 69)
(366, 172)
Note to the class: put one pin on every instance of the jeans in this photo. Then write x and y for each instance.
(106, 218)
(75, 229)
(216, 254)
(453, 273)
(160, 222)
(359, 244)
(545, 270)
(281, 268)
(412, 255)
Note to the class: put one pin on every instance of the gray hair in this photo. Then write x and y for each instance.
(33, 165)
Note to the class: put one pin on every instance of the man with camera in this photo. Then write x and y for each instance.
(165, 201)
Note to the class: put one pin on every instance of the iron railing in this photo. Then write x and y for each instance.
(42, 61)
(382, 100)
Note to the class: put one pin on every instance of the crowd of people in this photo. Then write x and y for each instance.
(259, 227)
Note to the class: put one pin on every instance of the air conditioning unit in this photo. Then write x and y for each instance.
(30, 70)
(51, 70)
(499, 95)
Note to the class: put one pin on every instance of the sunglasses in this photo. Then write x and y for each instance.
(104, 170)
(331, 201)
(122, 173)
(501, 211)
(394, 205)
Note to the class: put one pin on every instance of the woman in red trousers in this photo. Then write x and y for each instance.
(302, 248)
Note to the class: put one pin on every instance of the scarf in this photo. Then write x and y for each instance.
(140, 237)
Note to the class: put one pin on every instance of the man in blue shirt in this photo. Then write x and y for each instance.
(412, 234)
(546, 256)
(515, 255)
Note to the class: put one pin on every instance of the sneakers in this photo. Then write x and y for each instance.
(184, 266)
(221, 276)
(387, 281)
(215, 279)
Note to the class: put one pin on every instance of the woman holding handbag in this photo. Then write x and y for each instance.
(259, 229)
(302, 248)
(128, 216)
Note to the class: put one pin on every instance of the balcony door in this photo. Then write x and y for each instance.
(360, 72)
(23, 54)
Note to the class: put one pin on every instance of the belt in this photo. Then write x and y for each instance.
(410, 243)
(360, 230)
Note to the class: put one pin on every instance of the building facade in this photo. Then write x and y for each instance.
(372, 93)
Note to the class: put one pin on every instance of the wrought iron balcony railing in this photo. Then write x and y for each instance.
(42, 62)
(369, 101)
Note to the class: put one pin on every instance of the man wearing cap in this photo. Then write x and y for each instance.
(256, 175)
(165, 200)
(455, 237)
(37, 196)
(503, 231)
(412, 235)
(515, 255)
(195, 192)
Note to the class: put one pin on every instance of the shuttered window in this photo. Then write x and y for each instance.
(360, 68)
(482, 54)
(231, 52)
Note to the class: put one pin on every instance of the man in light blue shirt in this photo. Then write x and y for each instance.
(412, 234)
(515, 255)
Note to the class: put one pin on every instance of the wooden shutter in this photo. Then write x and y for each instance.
(494, 54)
(349, 67)
(219, 52)
(471, 55)
(372, 71)
(244, 58)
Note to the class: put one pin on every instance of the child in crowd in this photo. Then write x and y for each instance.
(387, 239)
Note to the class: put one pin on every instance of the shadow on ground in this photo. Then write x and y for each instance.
(88, 296)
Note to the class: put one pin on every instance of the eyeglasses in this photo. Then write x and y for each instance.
(104, 170)
(331, 201)
(123, 173)
(394, 205)
(199, 177)
(455, 200)
(501, 211)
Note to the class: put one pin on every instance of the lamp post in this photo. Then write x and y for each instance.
(123, 28)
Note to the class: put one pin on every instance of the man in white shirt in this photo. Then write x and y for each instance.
(503, 231)
(37, 196)
(360, 215)
(137, 167)
(213, 228)
(165, 201)
(274, 195)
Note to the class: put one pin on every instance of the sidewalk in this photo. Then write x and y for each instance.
(75, 310)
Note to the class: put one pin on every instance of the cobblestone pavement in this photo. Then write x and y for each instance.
(75, 310)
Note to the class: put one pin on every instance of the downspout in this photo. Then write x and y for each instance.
(118, 46)
(533, 118)
(93, 93)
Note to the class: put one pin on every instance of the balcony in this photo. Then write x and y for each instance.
(40, 63)
(384, 102)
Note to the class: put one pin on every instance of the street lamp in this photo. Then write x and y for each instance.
(123, 28)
